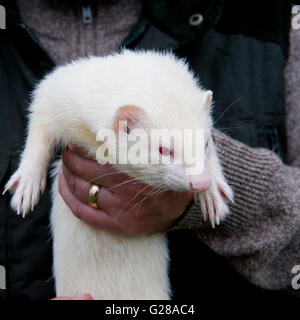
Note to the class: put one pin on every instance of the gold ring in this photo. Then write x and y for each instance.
(93, 196)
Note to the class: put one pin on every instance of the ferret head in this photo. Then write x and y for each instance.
(160, 93)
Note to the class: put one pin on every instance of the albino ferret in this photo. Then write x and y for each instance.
(70, 105)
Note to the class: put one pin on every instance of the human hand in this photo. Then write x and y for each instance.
(125, 206)
(85, 296)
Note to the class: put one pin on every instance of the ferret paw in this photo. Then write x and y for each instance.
(213, 202)
(27, 186)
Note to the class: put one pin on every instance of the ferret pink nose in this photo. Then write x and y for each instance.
(200, 182)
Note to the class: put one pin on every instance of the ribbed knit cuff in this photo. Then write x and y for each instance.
(248, 171)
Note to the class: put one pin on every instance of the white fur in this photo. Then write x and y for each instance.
(70, 105)
(105, 265)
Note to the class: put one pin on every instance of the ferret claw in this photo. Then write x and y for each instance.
(27, 186)
(213, 203)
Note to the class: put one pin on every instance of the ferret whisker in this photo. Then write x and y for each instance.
(235, 101)
(110, 173)
(229, 130)
(122, 183)
(138, 204)
(134, 197)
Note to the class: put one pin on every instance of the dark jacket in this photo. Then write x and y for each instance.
(239, 51)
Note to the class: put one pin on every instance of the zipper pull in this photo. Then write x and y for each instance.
(87, 14)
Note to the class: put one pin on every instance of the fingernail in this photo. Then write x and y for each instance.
(71, 147)
(85, 296)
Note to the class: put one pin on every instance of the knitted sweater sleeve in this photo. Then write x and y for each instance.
(261, 235)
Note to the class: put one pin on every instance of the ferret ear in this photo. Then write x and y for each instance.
(207, 99)
(128, 118)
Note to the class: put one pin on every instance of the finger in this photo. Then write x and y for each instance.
(95, 217)
(78, 150)
(80, 189)
(91, 170)
(85, 296)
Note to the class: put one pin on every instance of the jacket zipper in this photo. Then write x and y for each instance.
(86, 14)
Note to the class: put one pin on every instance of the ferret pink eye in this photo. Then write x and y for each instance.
(206, 145)
(166, 151)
